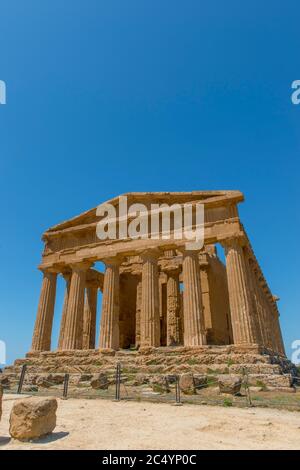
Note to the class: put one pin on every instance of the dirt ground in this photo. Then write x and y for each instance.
(103, 424)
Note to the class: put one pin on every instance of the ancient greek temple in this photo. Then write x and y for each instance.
(156, 293)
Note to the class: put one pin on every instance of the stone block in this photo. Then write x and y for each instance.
(32, 418)
(100, 381)
(159, 383)
(187, 384)
(230, 384)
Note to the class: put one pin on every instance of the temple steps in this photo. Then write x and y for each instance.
(260, 367)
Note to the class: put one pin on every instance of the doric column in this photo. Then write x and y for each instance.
(173, 308)
(150, 320)
(89, 317)
(67, 278)
(259, 307)
(242, 316)
(267, 319)
(272, 336)
(41, 340)
(74, 317)
(194, 328)
(138, 313)
(280, 343)
(109, 328)
(257, 317)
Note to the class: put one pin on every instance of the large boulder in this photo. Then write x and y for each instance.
(160, 384)
(85, 378)
(230, 384)
(32, 418)
(187, 384)
(100, 381)
(49, 380)
(57, 379)
(4, 381)
(200, 381)
(43, 381)
(140, 379)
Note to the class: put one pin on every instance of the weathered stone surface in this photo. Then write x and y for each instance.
(100, 382)
(200, 381)
(50, 380)
(30, 379)
(56, 379)
(29, 388)
(187, 384)
(141, 379)
(32, 418)
(256, 389)
(159, 383)
(171, 378)
(43, 382)
(230, 384)
(85, 377)
(210, 361)
(4, 381)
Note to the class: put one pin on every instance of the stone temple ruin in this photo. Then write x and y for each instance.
(164, 308)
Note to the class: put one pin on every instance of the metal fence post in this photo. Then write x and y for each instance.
(177, 392)
(118, 380)
(246, 378)
(22, 376)
(66, 386)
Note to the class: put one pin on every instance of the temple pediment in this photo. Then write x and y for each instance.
(209, 198)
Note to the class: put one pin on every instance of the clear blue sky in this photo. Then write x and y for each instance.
(105, 97)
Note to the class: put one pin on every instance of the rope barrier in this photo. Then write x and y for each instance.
(168, 382)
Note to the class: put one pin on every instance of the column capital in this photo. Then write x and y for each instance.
(185, 252)
(66, 275)
(172, 270)
(151, 253)
(234, 241)
(81, 265)
(113, 260)
(49, 270)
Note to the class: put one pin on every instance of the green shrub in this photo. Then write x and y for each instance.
(227, 402)
(261, 384)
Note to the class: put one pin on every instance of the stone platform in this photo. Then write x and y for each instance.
(262, 366)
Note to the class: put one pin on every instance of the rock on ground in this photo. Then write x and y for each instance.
(160, 384)
(31, 418)
(229, 384)
(187, 384)
(100, 381)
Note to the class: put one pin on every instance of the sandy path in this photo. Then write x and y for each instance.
(102, 424)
